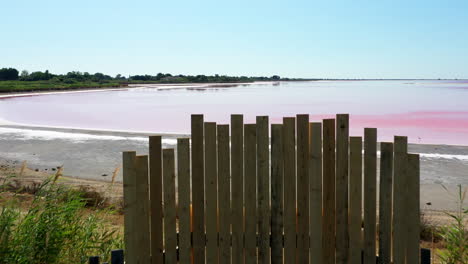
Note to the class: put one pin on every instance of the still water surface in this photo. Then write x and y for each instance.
(431, 112)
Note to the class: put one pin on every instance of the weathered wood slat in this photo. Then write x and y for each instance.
(289, 217)
(342, 156)
(129, 183)
(224, 193)
(250, 157)
(385, 202)
(170, 231)
(198, 190)
(315, 172)
(413, 215)
(355, 200)
(263, 190)
(183, 191)
(237, 172)
(156, 193)
(211, 190)
(400, 228)
(302, 151)
(370, 194)
(142, 210)
(276, 194)
(328, 224)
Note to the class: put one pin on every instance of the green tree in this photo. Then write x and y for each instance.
(8, 74)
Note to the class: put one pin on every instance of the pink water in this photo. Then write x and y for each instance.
(432, 112)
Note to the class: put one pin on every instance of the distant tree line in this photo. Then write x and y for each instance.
(11, 74)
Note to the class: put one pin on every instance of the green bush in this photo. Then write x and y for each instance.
(54, 229)
(455, 235)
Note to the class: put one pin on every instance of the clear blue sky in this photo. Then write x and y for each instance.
(330, 39)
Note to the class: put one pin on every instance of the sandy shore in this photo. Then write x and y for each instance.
(95, 155)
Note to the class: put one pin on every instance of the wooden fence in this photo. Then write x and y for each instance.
(296, 192)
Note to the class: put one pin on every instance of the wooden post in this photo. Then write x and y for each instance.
(289, 156)
(198, 192)
(276, 194)
(250, 156)
(302, 188)
(385, 202)
(342, 156)
(315, 172)
(355, 200)
(399, 199)
(413, 216)
(129, 182)
(224, 187)
(425, 256)
(328, 224)
(142, 210)
(370, 194)
(263, 190)
(183, 190)
(170, 232)
(117, 256)
(155, 181)
(211, 190)
(94, 260)
(237, 171)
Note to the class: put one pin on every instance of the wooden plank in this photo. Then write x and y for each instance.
(302, 164)
(342, 156)
(198, 190)
(328, 224)
(370, 194)
(142, 210)
(183, 206)
(129, 192)
(250, 187)
(170, 232)
(413, 214)
(385, 202)
(224, 194)
(263, 190)
(315, 172)
(237, 172)
(400, 160)
(355, 200)
(156, 223)
(276, 194)
(289, 218)
(211, 189)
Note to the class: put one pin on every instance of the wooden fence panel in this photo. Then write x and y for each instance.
(276, 194)
(342, 148)
(302, 149)
(224, 187)
(385, 202)
(211, 188)
(328, 224)
(156, 189)
(370, 194)
(237, 172)
(263, 191)
(129, 183)
(142, 210)
(289, 217)
(413, 215)
(170, 230)
(198, 190)
(355, 200)
(315, 172)
(183, 191)
(250, 157)
(399, 199)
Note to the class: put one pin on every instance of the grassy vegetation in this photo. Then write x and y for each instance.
(53, 84)
(455, 235)
(54, 227)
